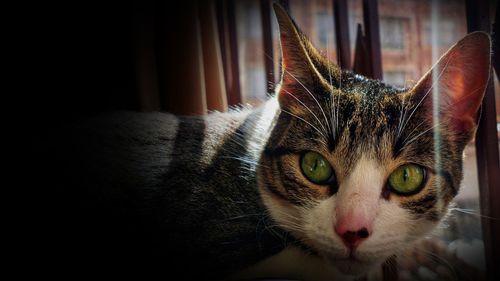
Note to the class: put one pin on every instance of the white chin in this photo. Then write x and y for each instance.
(352, 267)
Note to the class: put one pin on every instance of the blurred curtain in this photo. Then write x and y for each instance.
(178, 61)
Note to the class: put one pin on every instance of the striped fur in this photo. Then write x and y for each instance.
(366, 129)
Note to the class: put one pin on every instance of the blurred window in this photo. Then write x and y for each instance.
(447, 32)
(392, 33)
(396, 78)
(324, 22)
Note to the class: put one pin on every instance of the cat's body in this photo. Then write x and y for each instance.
(167, 186)
(228, 191)
(132, 210)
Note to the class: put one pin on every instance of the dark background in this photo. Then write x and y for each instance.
(90, 48)
(78, 60)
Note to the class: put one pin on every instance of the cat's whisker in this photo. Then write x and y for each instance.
(262, 220)
(337, 108)
(292, 228)
(283, 214)
(402, 116)
(436, 258)
(413, 138)
(332, 97)
(289, 225)
(445, 109)
(333, 107)
(288, 221)
(414, 129)
(239, 217)
(431, 128)
(311, 94)
(420, 134)
(271, 227)
(312, 126)
(314, 115)
(429, 90)
(247, 161)
(472, 212)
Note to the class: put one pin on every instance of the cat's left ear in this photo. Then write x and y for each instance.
(461, 76)
(299, 72)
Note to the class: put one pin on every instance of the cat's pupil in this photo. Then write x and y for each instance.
(315, 165)
(405, 175)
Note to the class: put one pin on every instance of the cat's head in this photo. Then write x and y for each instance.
(357, 170)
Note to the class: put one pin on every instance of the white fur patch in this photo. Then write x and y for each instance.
(392, 230)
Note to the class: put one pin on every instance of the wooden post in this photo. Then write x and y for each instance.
(145, 60)
(488, 167)
(267, 40)
(229, 47)
(362, 62)
(496, 38)
(340, 12)
(372, 34)
(212, 61)
(184, 77)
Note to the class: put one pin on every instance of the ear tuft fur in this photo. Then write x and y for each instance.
(461, 76)
(299, 72)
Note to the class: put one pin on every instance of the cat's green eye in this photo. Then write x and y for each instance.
(316, 168)
(407, 179)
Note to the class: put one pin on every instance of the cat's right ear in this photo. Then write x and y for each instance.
(298, 71)
(459, 80)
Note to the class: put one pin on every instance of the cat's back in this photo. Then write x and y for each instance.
(120, 148)
(112, 171)
(154, 185)
(124, 145)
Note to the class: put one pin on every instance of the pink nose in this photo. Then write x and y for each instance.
(353, 238)
(353, 231)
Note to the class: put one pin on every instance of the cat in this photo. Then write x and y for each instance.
(332, 176)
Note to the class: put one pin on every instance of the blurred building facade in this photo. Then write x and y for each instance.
(406, 29)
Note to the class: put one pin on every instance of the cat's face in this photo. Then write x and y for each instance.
(357, 170)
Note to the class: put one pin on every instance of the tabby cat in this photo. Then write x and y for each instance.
(330, 177)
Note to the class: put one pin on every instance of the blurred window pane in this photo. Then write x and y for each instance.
(250, 52)
(447, 32)
(396, 78)
(324, 22)
(392, 37)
